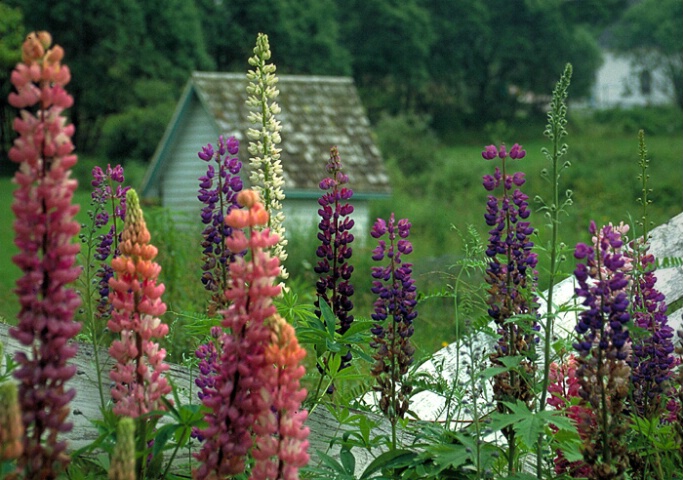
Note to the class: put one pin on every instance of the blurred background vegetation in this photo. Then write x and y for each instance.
(439, 80)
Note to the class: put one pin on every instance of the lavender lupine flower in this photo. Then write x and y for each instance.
(603, 346)
(44, 226)
(109, 202)
(218, 190)
(397, 298)
(652, 362)
(334, 285)
(511, 276)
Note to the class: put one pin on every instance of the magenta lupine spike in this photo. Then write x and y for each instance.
(235, 400)
(138, 374)
(44, 229)
(603, 346)
(281, 443)
(511, 275)
(396, 298)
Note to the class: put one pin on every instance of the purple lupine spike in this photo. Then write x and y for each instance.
(218, 189)
(653, 361)
(334, 285)
(510, 274)
(109, 208)
(396, 298)
(603, 345)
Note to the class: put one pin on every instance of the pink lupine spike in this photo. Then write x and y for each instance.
(44, 229)
(135, 295)
(255, 380)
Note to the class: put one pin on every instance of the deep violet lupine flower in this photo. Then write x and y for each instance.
(109, 202)
(603, 346)
(396, 298)
(138, 374)
(266, 174)
(652, 361)
(281, 444)
(511, 276)
(218, 189)
(236, 396)
(334, 285)
(44, 229)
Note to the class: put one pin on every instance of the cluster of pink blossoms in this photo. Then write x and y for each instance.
(137, 305)
(45, 228)
(254, 404)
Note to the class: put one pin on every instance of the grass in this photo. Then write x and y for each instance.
(603, 177)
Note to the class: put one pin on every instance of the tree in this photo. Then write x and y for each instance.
(489, 52)
(111, 44)
(390, 43)
(304, 34)
(650, 34)
(11, 37)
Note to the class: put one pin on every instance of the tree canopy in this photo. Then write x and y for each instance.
(466, 61)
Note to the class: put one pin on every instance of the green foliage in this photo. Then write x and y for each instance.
(130, 135)
(408, 141)
(11, 37)
(653, 120)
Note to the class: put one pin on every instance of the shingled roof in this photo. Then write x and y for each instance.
(318, 112)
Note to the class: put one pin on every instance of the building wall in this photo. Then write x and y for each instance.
(179, 180)
(302, 214)
(618, 84)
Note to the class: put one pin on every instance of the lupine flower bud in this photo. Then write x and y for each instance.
(281, 438)
(11, 428)
(123, 459)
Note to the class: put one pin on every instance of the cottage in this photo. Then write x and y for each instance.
(317, 113)
(620, 82)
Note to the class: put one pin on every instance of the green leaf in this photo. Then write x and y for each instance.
(161, 438)
(348, 460)
(493, 371)
(390, 459)
(448, 455)
(328, 316)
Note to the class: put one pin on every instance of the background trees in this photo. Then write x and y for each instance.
(452, 62)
